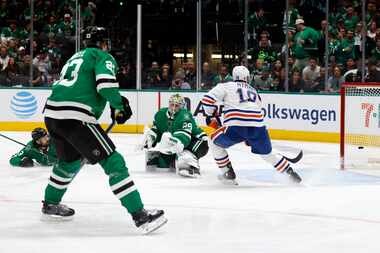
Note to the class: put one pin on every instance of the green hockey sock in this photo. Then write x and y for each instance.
(60, 178)
(121, 183)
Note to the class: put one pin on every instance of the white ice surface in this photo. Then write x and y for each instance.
(334, 211)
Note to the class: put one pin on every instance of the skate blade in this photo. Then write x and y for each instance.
(56, 218)
(153, 226)
(188, 175)
(150, 168)
(227, 181)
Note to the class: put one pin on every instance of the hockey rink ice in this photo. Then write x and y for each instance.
(333, 211)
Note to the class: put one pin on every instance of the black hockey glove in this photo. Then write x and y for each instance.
(26, 162)
(122, 116)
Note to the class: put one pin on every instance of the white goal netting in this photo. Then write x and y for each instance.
(360, 129)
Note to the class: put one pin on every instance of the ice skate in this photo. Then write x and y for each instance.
(228, 177)
(294, 177)
(57, 212)
(148, 221)
(192, 172)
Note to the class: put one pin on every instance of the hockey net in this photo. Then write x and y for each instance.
(360, 126)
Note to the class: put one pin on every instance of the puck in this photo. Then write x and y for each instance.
(360, 147)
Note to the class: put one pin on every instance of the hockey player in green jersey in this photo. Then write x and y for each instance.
(39, 149)
(175, 140)
(87, 81)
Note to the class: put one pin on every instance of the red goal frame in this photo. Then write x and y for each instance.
(343, 115)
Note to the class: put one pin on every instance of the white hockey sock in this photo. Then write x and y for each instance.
(279, 162)
(220, 155)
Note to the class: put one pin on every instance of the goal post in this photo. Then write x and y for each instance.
(360, 125)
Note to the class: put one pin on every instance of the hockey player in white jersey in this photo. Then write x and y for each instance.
(243, 121)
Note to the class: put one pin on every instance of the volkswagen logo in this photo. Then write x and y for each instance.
(24, 104)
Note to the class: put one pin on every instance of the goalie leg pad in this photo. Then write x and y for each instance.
(187, 164)
(151, 160)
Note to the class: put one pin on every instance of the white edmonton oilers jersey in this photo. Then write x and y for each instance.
(242, 104)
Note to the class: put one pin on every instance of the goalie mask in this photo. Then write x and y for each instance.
(176, 102)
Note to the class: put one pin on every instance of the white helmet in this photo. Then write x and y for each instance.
(176, 102)
(240, 73)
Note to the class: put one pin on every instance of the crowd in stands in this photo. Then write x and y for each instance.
(54, 40)
(37, 63)
(306, 53)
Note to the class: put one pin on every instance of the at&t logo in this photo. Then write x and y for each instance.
(24, 104)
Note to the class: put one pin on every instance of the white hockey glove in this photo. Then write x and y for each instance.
(148, 139)
(170, 145)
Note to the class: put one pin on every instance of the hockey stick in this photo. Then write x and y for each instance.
(9, 138)
(22, 144)
(109, 128)
(295, 159)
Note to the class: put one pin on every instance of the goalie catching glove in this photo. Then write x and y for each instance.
(121, 116)
(170, 145)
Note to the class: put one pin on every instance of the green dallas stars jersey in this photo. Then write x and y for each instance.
(33, 152)
(182, 126)
(87, 81)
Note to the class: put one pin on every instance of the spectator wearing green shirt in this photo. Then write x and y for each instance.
(346, 48)
(12, 48)
(223, 76)
(51, 28)
(350, 18)
(39, 150)
(257, 22)
(293, 15)
(67, 26)
(264, 51)
(305, 44)
(11, 31)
